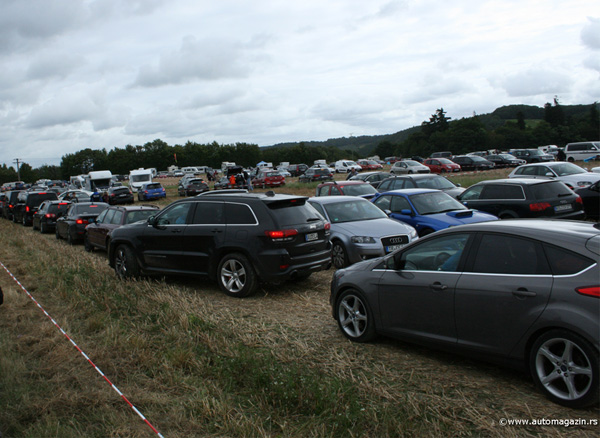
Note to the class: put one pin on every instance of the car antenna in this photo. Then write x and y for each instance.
(270, 193)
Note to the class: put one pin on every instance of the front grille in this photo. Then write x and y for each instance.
(395, 240)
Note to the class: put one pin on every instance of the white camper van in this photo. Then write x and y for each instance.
(139, 177)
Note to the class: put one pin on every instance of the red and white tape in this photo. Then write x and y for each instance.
(82, 353)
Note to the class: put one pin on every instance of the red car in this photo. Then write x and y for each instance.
(347, 188)
(369, 165)
(441, 165)
(268, 178)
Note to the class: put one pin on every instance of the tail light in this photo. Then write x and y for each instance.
(27, 208)
(579, 200)
(327, 226)
(590, 291)
(50, 215)
(282, 235)
(539, 206)
(82, 222)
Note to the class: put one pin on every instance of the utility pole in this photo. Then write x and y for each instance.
(18, 161)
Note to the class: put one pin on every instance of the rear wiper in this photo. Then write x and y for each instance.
(564, 194)
(312, 219)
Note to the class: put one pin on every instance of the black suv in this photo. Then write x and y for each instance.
(236, 238)
(28, 203)
(524, 198)
(297, 169)
(11, 202)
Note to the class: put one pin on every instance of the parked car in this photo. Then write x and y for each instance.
(519, 293)
(359, 230)
(193, 187)
(590, 196)
(408, 167)
(71, 226)
(571, 174)
(348, 188)
(316, 174)
(532, 155)
(427, 210)
(472, 162)
(297, 169)
(283, 238)
(391, 160)
(3, 202)
(150, 191)
(442, 154)
(373, 178)
(97, 233)
(44, 219)
(346, 166)
(441, 165)
(524, 198)
(369, 165)
(585, 150)
(268, 178)
(11, 201)
(430, 181)
(118, 195)
(76, 196)
(505, 160)
(28, 203)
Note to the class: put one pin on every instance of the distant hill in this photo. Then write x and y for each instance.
(365, 144)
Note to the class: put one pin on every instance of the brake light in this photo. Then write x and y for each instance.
(49, 215)
(281, 235)
(590, 291)
(82, 221)
(539, 206)
(327, 226)
(63, 203)
(27, 208)
(579, 200)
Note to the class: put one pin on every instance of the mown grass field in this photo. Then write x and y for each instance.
(197, 363)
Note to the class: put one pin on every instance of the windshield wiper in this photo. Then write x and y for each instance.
(312, 219)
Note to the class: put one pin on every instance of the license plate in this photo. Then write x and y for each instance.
(392, 248)
(312, 236)
(563, 207)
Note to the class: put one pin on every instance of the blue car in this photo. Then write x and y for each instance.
(427, 210)
(150, 191)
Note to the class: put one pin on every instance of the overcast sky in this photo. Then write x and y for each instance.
(108, 73)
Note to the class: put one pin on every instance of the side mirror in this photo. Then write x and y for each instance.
(152, 221)
(406, 212)
(388, 212)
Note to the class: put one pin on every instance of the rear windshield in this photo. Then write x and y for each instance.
(121, 190)
(153, 186)
(553, 189)
(296, 213)
(37, 199)
(58, 208)
(438, 183)
(89, 209)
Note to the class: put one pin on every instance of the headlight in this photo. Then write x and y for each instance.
(362, 239)
(413, 235)
(583, 183)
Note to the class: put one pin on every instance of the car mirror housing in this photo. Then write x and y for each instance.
(406, 212)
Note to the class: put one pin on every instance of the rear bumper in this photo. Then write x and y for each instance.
(277, 266)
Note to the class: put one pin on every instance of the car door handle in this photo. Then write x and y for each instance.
(176, 230)
(524, 293)
(438, 286)
(217, 230)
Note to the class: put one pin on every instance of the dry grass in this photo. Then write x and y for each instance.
(198, 363)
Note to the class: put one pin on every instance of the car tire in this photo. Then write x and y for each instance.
(43, 228)
(354, 316)
(57, 234)
(236, 276)
(126, 265)
(507, 215)
(70, 239)
(33, 227)
(565, 367)
(339, 255)
(86, 244)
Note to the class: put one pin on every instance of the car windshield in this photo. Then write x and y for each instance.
(411, 163)
(359, 189)
(435, 202)
(352, 211)
(477, 158)
(445, 161)
(508, 157)
(434, 182)
(564, 169)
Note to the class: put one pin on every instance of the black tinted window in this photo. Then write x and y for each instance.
(383, 202)
(287, 214)
(501, 254)
(117, 218)
(239, 214)
(209, 213)
(552, 189)
(500, 191)
(563, 262)
(107, 217)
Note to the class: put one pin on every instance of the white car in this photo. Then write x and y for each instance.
(409, 167)
(569, 173)
(346, 166)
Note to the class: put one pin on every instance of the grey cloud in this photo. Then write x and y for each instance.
(536, 82)
(209, 59)
(63, 110)
(54, 65)
(590, 34)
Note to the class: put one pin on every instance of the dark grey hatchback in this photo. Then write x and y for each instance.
(237, 238)
(522, 292)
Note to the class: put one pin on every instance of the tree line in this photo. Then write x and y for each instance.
(559, 125)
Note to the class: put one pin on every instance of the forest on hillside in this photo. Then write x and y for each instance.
(514, 126)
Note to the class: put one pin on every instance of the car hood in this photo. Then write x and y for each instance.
(460, 217)
(455, 191)
(374, 228)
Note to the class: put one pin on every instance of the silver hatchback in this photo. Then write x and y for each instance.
(520, 292)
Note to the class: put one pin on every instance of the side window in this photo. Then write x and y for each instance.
(437, 254)
(324, 191)
(117, 217)
(383, 202)
(100, 218)
(494, 191)
(399, 203)
(471, 193)
(209, 213)
(319, 208)
(501, 254)
(397, 184)
(385, 186)
(563, 262)
(239, 214)
(335, 191)
(176, 215)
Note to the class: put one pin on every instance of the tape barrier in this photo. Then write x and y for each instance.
(82, 353)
